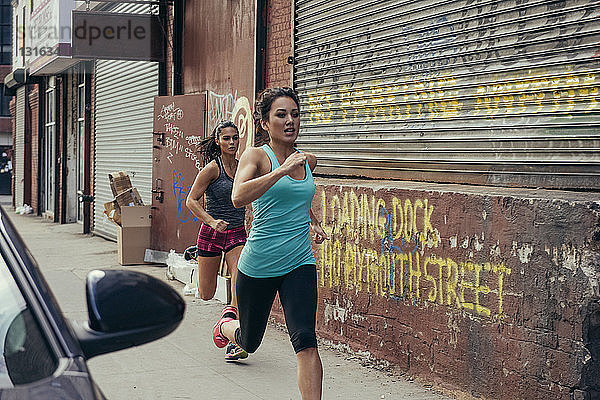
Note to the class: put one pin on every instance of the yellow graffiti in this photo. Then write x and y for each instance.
(443, 98)
(537, 95)
(368, 218)
(405, 270)
(241, 115)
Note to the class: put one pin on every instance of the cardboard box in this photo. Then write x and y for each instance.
(112, 213)
(119, 182)
(130, 197)
(133, 236)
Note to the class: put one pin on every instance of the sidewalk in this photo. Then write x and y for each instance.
(186, 364)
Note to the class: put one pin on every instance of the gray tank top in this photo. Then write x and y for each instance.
(218, 200)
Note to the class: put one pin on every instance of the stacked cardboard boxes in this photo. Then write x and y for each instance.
(132, 217)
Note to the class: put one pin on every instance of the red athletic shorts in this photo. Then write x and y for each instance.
(212, 242)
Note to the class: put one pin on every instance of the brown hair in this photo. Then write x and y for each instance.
(262, 107)
(208, 146)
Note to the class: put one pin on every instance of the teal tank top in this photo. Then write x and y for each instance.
(279, 240)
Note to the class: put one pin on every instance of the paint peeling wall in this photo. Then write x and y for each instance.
(490, 291)
(219, 47)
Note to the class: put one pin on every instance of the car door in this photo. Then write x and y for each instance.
(35, 360)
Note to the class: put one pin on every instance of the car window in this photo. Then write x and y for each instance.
(25, 355)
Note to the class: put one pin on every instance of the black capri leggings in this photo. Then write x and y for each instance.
(298, 294)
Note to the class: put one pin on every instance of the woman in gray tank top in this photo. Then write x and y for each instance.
(222, 229)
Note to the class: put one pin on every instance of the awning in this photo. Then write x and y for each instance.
(14, 80)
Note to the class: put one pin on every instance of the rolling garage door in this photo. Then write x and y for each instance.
(124, 106)
(19, 154)
(480, 92)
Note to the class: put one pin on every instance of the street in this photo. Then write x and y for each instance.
(186, 364)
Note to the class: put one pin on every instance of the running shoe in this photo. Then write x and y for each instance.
(229, 313)
(235, 352)
(218, 337)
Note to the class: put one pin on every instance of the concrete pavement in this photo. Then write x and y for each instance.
(186, 364)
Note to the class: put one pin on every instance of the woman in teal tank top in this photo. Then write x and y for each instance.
(279, 240)
(278, 258)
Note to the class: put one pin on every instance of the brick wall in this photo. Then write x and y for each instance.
(278, 46)
(5, 125)
(491, 292)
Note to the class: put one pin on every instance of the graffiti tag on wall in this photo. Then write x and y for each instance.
(445, 98)
(388, 249)
(181, 191)
(176, 141)
(231, 107)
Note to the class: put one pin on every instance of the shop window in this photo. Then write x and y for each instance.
(5, 32)
(4, 101)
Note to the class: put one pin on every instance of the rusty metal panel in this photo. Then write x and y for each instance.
(219, 47)
(485, 92)
(179, 126)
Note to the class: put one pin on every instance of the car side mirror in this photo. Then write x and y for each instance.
(125, 309)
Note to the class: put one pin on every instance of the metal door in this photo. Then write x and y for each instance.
(179, 126)
(81, 148)
(49, 150)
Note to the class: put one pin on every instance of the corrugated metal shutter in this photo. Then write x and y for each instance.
(19, 161)
(124, 92)
(124, 105)
(483, 92)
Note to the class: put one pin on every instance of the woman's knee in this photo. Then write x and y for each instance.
(303, 339)
(206, 293)
(248, 344)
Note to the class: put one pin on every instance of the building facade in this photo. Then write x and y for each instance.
(51, 113)
(70, 128)
(458, 176)
(458, 179)
(5, 97)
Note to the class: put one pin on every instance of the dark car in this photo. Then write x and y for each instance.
(42, 355)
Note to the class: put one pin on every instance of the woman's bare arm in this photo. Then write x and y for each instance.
(252, 179)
